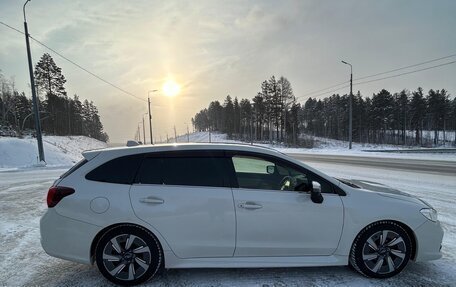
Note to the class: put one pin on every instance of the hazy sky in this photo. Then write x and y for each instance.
(215, 48)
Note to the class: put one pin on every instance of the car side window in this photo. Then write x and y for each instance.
(120, 170)
(193, 171)
(150, 171)
(258, 173)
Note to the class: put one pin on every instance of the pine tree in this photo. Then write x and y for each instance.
(259, 111)
(245, 109)
(417, 113)
(286, 100)
(49, 77)
(228, 116)
(236, 117)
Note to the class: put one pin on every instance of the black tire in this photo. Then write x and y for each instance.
(387, 255)
(136, 258)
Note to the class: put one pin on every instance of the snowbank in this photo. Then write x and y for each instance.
(60, 151)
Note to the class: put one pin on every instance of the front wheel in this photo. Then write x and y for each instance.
(128, 255)
(381, 250)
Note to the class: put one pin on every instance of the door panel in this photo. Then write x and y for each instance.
(195, 221)
(286, 223)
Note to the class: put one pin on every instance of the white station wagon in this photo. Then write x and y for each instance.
(138, 210)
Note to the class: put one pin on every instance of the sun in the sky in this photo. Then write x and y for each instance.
(170, 88)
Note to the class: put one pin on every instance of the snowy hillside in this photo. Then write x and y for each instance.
(60, 151)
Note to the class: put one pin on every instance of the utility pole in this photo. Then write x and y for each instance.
(251, 131)
(350, 129)
(210, 140)
(39, 137)
(175, 134)
(144, 131)
(167, 138)
(188, 135)
(150, 122)
(150, 116)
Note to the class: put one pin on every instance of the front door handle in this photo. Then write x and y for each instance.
(250, 205)
(152, 200)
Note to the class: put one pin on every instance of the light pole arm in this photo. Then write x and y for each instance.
(23, 10)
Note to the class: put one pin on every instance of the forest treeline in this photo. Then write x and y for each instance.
(60, 114)
(274, 115)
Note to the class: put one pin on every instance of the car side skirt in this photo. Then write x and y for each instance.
(171, 261)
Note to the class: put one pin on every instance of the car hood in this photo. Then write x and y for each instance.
(382, 189)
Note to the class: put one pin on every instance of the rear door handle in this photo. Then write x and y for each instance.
(250, 205)
(152, 200)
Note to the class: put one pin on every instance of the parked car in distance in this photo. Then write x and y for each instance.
(136, 210)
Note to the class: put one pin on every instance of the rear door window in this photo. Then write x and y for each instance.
(150, 171)
(194, 171)
(184, 170)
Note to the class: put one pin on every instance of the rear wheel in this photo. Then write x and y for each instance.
(381, 250)
(128, 255)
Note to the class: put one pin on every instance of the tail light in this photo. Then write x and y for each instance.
(56, 193)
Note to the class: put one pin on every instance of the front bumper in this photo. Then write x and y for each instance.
(66, 238)
(429, 237)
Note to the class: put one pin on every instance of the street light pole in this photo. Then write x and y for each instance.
(350, 119)
(39, 137)
(150, 116)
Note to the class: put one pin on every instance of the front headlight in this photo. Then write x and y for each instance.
(430, 213)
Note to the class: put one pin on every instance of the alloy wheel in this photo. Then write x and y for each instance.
(384, 252)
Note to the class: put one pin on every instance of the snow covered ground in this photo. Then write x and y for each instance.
(24, 263)
(60, 151)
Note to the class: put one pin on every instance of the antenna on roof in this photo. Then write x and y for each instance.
(132, 143)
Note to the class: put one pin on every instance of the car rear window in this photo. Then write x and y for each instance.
(120, 170)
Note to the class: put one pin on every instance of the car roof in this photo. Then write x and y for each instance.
(121, 151)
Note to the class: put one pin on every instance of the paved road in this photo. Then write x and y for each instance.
(417, 165)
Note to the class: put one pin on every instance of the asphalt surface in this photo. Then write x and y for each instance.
(415, 165)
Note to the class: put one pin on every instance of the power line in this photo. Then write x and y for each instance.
(6, 25)
(327, 88)
(406, 67)
(325, 93)
(374, 75)
(384, 78)
(406, 73)
(76, 64)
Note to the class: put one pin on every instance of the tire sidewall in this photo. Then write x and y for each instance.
(149, 239)
(356, 258)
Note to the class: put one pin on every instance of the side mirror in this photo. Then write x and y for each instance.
(315, 193)
(270, 169)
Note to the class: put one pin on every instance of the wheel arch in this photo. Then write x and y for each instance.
(97, 237)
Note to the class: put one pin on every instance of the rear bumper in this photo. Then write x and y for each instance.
(66, 238)
(429, 241)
